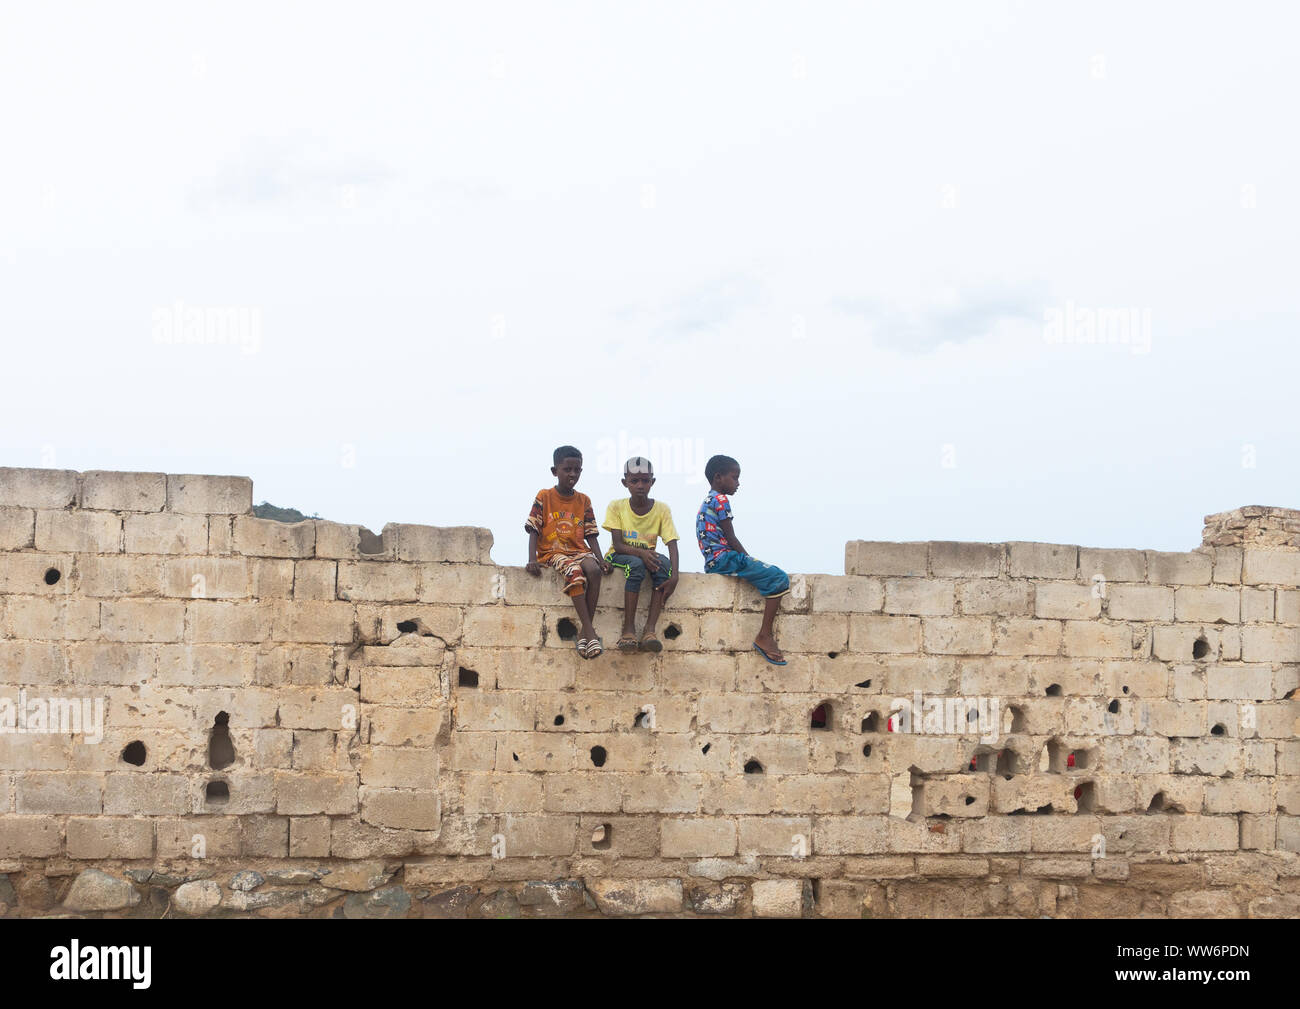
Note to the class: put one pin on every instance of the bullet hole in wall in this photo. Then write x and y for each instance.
(832, 655)
(221, 748)
(1113, 707)
(407, 627)
(566, 629)
(753, 767)
(866, 750)
(821, 716)
(672, 632)
(52, 575)
(705, 748)
(135, 753)
(598, 756)
(559, 719)
(864, 684)
(1218, 730)
(871, 723)
(1054, 690)
(216, 793)
(1200, 648)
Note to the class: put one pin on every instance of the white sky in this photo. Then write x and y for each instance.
(824, 241)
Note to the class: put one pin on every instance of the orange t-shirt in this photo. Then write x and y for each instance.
(562, 523)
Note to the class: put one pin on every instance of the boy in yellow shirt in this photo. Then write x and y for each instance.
(636, 523)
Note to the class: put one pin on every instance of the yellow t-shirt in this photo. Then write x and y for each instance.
(640, 530)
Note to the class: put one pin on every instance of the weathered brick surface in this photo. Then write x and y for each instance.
(399, 699)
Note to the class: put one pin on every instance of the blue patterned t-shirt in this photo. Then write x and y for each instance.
(708, 526)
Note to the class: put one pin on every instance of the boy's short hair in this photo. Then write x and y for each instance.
(638, 464)
(564, 452)
(719, 464)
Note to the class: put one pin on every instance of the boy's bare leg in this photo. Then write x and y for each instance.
(588, 631)
(629, 613)
(766, 640)
(657, 599)
(591, 568)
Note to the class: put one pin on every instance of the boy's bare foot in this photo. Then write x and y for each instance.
(767, 645)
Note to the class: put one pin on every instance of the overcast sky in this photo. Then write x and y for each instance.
(859, 247)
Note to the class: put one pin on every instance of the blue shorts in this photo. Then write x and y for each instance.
(635, 569)
(769, 580)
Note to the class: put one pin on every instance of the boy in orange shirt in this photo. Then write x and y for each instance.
(562, 534)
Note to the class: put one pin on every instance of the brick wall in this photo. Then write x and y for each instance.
(310, 719)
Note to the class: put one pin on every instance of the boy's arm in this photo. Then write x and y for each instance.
(730, 533)
(593, 544)
(671, 582)
(622, 546)
(532, 567)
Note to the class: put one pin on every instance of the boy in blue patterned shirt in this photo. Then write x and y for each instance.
(724, 554)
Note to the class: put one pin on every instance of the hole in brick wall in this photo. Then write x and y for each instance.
(980, 761)
(672, 632)
(1126, 690)
(871, 723)
(1157, 803)
(970, 800)
(832, 655)
(407, 627)
(918, 793)
(705, 748)
(52, 575)
(559, 719)
(1043, 810)
(566, 629)
(866, 750)
(216, 793)
(602, 837)
(1017, 719)
(1218, 730)
(1113, 707)
(753, 767)
(1056, 754)
(368, 542)
(641, 720)
(1054, 690)
(1007, 763)
(221, 749)
(598, 756)
(821, 716)
(864, 684)
(515, 755)
(1200, 648)
(1086, 796)
(973, 715)
(466, 677)
(135, 753)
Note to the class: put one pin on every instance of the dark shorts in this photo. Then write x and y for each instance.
(770, 580)
(635, 569)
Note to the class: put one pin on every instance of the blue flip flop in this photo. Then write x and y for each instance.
(768, 657)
